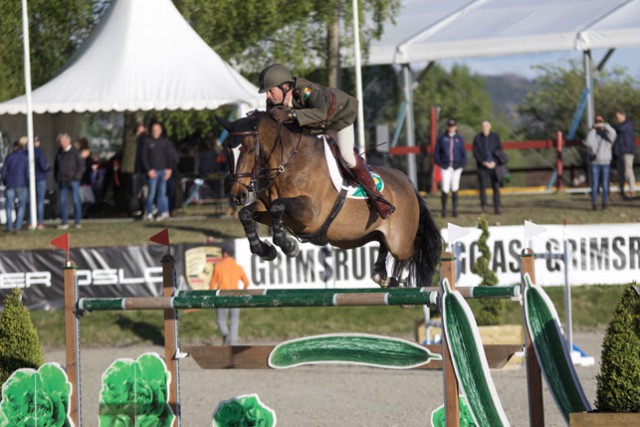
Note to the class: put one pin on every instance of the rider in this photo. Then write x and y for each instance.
(318, 109)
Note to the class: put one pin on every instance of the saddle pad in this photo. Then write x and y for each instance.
(352, 191)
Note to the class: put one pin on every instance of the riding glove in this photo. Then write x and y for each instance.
(283, 114)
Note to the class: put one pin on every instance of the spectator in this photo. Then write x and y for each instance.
(68, 170)
(227, 275)
(599, 141)
(450, 156)
(137, 196)
(158, 158)
(42, 169)
(87, 196)
(485, 146)
(624, 149)
(15, 175)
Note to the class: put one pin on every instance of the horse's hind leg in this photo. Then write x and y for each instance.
(264, 250)
(380, 275)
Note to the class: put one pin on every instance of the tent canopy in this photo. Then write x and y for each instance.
(143, 55)
(448, 29)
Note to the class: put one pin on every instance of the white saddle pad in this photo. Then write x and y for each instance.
(352, 191)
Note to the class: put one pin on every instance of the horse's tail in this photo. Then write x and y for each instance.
(427, 247)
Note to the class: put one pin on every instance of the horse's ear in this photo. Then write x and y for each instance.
(226, 124)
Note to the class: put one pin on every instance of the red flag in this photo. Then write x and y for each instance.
(62, 242)
(161, 238)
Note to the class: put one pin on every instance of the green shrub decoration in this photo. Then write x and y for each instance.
(19, 341)
(491, 311)
(618, 384)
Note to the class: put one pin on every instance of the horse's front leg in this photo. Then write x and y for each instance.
(289, 245)
(264, 250)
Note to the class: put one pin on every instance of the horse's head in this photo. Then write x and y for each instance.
(244, 154)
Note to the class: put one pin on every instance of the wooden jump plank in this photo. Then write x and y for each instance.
(255, 357)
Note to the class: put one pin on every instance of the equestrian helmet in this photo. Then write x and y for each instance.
(274, 75)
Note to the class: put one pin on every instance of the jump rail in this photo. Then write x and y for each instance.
(288, 298)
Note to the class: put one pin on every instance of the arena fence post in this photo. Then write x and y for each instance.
(534, 376)
(451, 404)
(171, 335)
(72, 340)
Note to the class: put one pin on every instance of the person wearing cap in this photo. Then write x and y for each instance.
(450, 156)
(599, 141)
(15, 175)
(624, 149)
(485, 146)
(227, 275)
(42, 169)
(319, 109)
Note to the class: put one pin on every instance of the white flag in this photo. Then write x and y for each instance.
(456, 233)
(531, 229)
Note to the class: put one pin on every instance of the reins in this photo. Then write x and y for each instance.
(270, 173)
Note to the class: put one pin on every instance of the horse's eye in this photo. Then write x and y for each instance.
(251, 150)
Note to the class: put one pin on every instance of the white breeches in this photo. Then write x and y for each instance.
(451, 179)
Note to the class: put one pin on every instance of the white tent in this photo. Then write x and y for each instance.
(431, 30)
(143, 55)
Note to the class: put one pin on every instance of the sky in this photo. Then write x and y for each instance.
(628, 58)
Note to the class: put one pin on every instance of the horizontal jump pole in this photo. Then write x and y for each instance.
(467, 292)
(286, 298)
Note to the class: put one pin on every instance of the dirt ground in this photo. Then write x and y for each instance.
(329, 395)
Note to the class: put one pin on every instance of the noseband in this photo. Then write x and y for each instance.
(258, 170)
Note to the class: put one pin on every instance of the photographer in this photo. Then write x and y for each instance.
(598, 142)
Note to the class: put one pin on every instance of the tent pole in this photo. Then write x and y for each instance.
(356, 34)
(33, 220)
(408, 96)
(588, 84)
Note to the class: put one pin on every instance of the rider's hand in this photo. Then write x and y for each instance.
(283, 114)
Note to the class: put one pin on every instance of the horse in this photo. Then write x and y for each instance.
(280, 176)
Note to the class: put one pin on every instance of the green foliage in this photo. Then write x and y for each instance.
(19, 341)
(245, 410)
(618, 384)
(39, 398)
(56, 28)
(136, 393)
(551, 105)
(491, 310)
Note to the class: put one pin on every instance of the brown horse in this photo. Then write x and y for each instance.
(282, 179)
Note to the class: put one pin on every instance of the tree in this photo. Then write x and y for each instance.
(19, 341)
(56, 28)
(551, 105)
(459, 94)
(490, 311)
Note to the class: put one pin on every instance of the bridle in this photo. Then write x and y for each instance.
(258, 169)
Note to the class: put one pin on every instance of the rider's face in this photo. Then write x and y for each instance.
(275, 95)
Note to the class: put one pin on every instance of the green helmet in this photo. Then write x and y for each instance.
(274, 75)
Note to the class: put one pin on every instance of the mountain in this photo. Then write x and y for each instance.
(507, 92)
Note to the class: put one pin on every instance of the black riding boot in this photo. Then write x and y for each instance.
(454, 202)
(443, 202)
(363, 176)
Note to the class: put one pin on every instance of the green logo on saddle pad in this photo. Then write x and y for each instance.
(359, 192)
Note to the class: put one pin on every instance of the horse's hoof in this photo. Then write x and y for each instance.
(382, 281)
(393, 283)
(293, 249)
(269, 252)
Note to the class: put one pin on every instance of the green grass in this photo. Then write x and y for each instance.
(592, 305)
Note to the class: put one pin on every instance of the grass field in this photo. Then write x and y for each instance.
(592, 306)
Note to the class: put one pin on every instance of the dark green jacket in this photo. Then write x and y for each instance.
(312, 103)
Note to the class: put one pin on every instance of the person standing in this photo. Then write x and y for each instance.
(42, 169)
(68, 170)
(485, 146)
(318, 109)
(15, 175)
(450, 156)
(624, 149)
(227, 275)
(136, 198)
(600, 140)
(158, 158)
